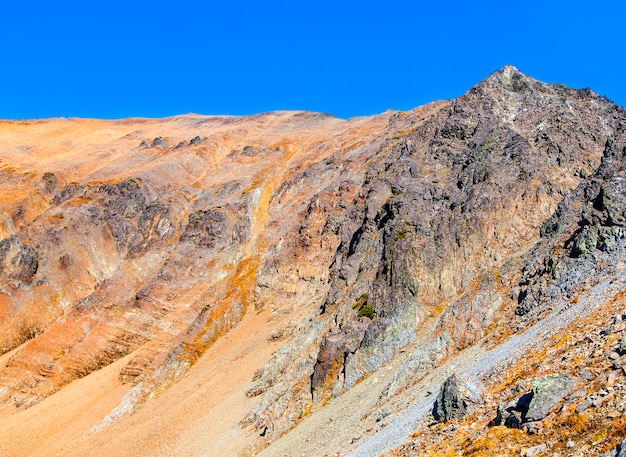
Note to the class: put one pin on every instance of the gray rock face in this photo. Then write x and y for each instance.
(458, 396)
(427, 227)
(133, 222)
(49, 182)
(158, 143)
(587, 228)
(603, 224)
(335, 348)
(217, 227)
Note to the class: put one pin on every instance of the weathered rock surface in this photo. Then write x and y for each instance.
(18, 261)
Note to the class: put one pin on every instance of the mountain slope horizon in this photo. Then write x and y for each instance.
(227, 285)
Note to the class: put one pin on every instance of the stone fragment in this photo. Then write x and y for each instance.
(459, 395)
(603, 399)
(158, 142)
(586, 374)
(619, 363)
(611, 378)
(583, 405)
(547, 392)
(536, 450)
(606, 331)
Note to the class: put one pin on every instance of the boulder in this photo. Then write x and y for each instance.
(545, 396)
(459, 395)
(547, 393)
(158, 142)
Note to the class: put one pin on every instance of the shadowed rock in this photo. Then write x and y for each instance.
(617, 451)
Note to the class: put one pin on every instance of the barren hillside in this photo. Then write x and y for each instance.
(291, 283)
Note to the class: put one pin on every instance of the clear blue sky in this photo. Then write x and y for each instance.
(136, 58)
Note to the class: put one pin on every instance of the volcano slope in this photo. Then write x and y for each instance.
(207, 285)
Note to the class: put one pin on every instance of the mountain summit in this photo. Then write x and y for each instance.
(291, 283)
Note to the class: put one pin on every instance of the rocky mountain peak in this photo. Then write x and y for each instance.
(509, 79)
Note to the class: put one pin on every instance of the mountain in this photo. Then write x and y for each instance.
(291, 283)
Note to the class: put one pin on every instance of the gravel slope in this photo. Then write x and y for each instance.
(356, 419)
(482, 364)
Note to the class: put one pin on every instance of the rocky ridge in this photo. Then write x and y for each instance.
(450, 207)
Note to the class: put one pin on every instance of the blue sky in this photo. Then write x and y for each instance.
(136, 58)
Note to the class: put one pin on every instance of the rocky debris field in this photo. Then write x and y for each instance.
(566, 397)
